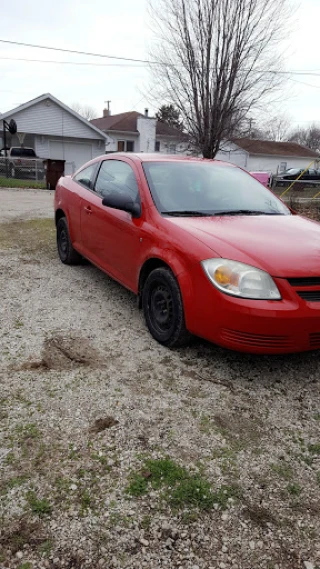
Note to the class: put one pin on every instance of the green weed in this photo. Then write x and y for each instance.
(40, 507)
(179, 487)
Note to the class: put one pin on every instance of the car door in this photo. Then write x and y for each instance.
(110, 237)
(77, 187)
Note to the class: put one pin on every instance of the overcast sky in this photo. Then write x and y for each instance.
(122, 28)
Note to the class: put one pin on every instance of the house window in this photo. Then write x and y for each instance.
(172, 148)
(157, 146)
(125, 145)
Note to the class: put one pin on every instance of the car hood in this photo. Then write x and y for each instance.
(284, 246)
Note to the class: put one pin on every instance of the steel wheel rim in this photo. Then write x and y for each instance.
(63, 242)
(161, 308)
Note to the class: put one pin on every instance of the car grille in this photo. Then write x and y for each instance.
(309, 295)
(308, 288)
(304, 281)
(314, 340)
(256, 340)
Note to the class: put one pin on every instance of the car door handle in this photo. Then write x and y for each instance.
(88, 209)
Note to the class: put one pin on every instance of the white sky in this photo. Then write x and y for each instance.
(122, 28)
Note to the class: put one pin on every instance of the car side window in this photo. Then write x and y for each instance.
(116, 176)
(85, 176)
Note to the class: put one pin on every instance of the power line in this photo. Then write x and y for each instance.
(304, 83)
(129, 59)
(76, 51)
(72, 62)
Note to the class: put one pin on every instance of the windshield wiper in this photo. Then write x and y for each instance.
(246, 212)
(186, 213)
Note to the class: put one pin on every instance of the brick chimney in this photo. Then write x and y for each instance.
(107, 112)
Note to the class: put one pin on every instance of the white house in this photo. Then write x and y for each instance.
(266, 155)
(55, 131)
(134, 132)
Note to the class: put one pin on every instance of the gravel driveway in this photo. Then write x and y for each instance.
(25, 204)
(117, 452)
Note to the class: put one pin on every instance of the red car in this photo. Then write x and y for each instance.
(208, 250)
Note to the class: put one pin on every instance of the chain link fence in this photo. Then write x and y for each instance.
(23, 168)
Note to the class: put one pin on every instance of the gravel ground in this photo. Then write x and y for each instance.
(116, 452)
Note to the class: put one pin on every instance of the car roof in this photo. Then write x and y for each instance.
(156, 157)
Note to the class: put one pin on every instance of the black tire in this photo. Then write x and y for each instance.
(163, 309)
(68, 255)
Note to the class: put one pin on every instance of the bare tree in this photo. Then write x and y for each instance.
(309, 137)
(276, 128)
(86, 111)
(216, 61)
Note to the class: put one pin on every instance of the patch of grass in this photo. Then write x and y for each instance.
(117, 519)
(45, 548)
(179, 487)
(26, 565)
(138, 485)
(205, 424)
(13, 482)
(294, 489)
(30, 237)
(41, 507)
(283, 470)
(14, 183)
(85, 500)
(29, 431)
(62, 484)
(145, 522)
(314, 449)
(196, 491)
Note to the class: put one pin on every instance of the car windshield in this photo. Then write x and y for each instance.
(23, 152)
(204, 188)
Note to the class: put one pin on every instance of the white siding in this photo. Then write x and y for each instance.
(272, 163)
(46, 117)
(230, 152)
(42, 146)
(112, 142)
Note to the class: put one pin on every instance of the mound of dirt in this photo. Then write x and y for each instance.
(63, 353)
(102, 424)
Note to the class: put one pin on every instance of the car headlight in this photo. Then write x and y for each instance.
(241, 280)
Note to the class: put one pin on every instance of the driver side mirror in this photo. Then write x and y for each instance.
(122, 201)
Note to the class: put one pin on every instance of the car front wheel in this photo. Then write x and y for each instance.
(163, 308)
(68, 255)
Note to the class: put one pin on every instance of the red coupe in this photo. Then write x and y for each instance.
(208, 250)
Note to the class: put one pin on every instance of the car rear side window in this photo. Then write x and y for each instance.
(116, 176)
(85, 176)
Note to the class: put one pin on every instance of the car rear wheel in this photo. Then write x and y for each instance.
(68, 255)
(163, 308)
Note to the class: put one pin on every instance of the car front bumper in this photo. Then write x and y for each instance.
(254, 326)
